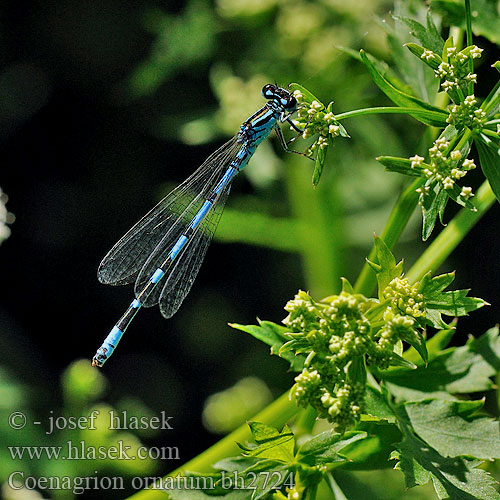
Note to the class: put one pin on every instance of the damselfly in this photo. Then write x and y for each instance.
(163, 252)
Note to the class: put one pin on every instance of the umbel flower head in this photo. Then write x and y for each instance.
(341, 334)
(338, 337)
(333, 332)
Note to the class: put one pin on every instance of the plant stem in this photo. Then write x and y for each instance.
(468, 33)
(276, 414)
(392, 231)
(386, 110)
(321, 233)
(452, 235)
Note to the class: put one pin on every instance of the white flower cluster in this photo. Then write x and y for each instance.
(444, 168)
(466, 114)
(454, 70)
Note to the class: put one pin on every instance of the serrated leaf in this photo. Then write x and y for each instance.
(400, 165)
(388, 267)
(453, 478)
(372, 452)
(273, 335)
(434, 319)
(456, 370)
(420, 78)
(452, 431)
(435, 116)
(432, 286)
(432, 29)
(433, 205)
(257, 480)
(454, 303)
(429, 39)
(324, 448)
(272, 444)
(490, 164)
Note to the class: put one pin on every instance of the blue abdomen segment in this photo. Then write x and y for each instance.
(157, 275)
(107, 347)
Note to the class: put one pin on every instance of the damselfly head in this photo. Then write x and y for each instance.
(280, 96)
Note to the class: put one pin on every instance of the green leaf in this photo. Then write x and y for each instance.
(346, 286)
(418, 50)
(373, 451)
(388, 269)
(420, 78)
(433, 346)
(272, 444)
(439, 342)
(436, 116)
(376, 405)
(417, 341)
(491, 104)
(319, 164)
(308, 96)
(455, 303)
(274, 336)
(453, 478)
(257, 479)
(451, 429)
(490, 164)
(400, 165)
(432, 286)
(324, 448)
(433, 31)
(455, 371)
(448, 44)
(356, 371)
(454, 194)
(433, 205)
(397, 360)
(430, 39)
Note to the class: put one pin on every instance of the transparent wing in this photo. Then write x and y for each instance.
(159, 258)
(124, 261)
(182, 277)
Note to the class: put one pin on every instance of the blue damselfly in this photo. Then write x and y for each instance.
(163, 252)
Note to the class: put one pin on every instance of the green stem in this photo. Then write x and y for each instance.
(392, 231)
(321, 232)
(468, 32)
(452, 235)
(277, 414)
(386, 110)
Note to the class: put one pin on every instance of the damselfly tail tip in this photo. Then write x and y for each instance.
(95, 362)
(99, 359)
